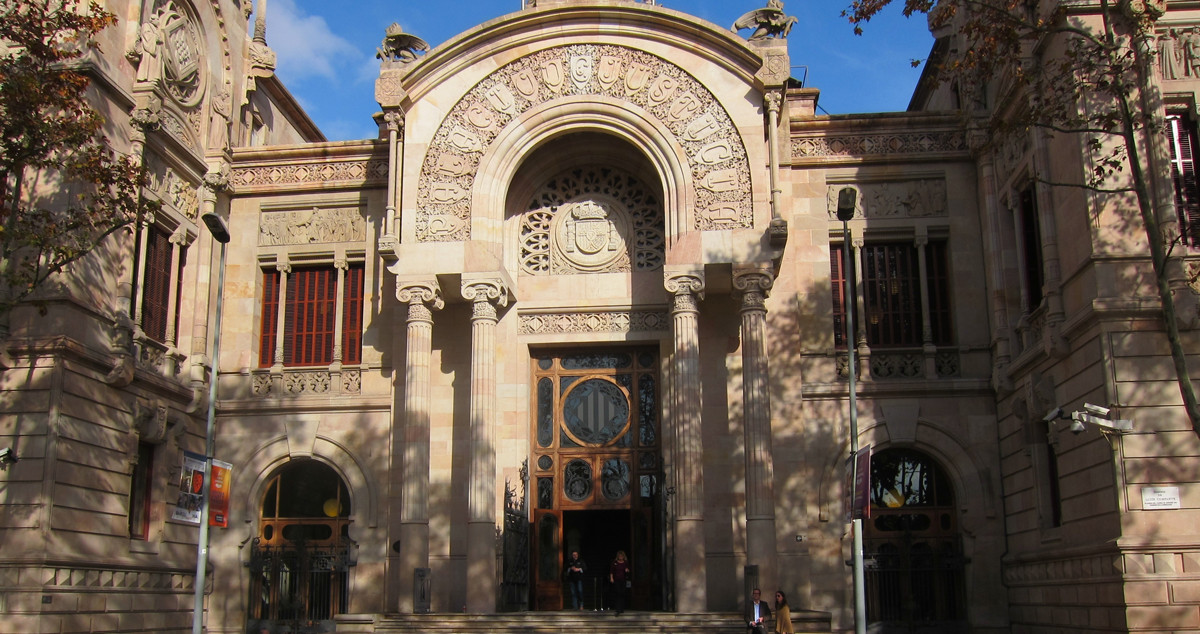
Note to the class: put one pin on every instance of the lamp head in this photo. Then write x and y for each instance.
(845, 208)
(216, 226)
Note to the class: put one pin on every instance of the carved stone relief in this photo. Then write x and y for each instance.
(608, 321)
(172, 189)
(349, 172)
(592, 220)
(683, 106)
(311, 226)
(859, 144)
(1178, 50)
(897, 199)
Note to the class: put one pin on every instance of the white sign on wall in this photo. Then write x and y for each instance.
(1160, 498)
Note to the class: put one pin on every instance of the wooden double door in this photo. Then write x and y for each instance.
(598, 474)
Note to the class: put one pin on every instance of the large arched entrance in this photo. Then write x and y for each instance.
(913, 547)
(300, 561)
(598, 474)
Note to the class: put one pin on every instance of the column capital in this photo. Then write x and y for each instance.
(754, 278)
(420, 291)
(684, 281)
(772, 99)
(283, 267)
(490, 290)
(393, 118)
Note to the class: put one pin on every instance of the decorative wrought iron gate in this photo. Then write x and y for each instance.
(297, 587)
(515, 545)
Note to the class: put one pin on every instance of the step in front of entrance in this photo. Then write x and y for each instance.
(803, 621)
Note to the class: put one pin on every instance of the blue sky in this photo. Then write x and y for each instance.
(326, 50)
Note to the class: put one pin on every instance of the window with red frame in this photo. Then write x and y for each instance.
(310, 316)
(1181, 134)
(890, 285)
(157, 311)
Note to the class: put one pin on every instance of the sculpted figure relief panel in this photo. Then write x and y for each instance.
(311, 226)
(894, 199)
(715, 154)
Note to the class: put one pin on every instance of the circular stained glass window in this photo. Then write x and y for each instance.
(596, 412)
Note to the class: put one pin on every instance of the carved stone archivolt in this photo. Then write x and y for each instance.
(699, 124)
(595, 322)
(920, 198)
(592, 220)
(311, 226)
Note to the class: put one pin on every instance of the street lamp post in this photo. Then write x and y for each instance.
(845, 211)
(220, 233)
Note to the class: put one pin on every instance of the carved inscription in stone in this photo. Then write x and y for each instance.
(900, 199)
(716, 157)
(311, 226)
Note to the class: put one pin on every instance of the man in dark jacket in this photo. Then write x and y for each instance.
(575, 570)
(757, 613)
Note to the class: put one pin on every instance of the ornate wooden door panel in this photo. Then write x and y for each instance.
(596, 446)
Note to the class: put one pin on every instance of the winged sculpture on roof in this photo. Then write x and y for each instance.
(399, 46)
(770, 21)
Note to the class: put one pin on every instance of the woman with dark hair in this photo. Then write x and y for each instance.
(783, 614)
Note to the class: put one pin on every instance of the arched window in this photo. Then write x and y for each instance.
(912, 545)
(301, 559)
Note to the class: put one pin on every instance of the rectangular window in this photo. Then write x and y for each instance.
(156, 286)
(270, 318)
(352, 315)
(837, 264)
(890, 284)
(1182, 140)
(140, 484)
(1030, 229)
(310, 316)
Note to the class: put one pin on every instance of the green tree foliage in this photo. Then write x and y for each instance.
(1069, 68)
(51, 134)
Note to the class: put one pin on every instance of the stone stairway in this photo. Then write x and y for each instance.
(564, 622)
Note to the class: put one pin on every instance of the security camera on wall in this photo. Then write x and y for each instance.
(1053, 415)
(8, 456)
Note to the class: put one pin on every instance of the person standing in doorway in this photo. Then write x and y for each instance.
(757, 613)
(621, 578)
(575, 570)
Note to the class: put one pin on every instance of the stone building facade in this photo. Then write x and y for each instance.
(584, 292)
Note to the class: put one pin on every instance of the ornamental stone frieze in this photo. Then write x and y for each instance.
(350, 173)
(921, 198)
(311, 226)
(594, 322)
(859, 145)
(682, 105)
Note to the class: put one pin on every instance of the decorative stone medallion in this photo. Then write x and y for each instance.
(662, 91)
(592, 220)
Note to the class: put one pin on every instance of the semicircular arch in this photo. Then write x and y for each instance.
(652, 103)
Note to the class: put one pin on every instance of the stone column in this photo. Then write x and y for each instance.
(752, 282)
(420, 297)
(690, 553)
(485, 296)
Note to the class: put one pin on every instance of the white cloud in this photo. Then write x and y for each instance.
(305, 46)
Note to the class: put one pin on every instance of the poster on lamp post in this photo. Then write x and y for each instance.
(218, 494)
(191, 488)
(857, 501)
